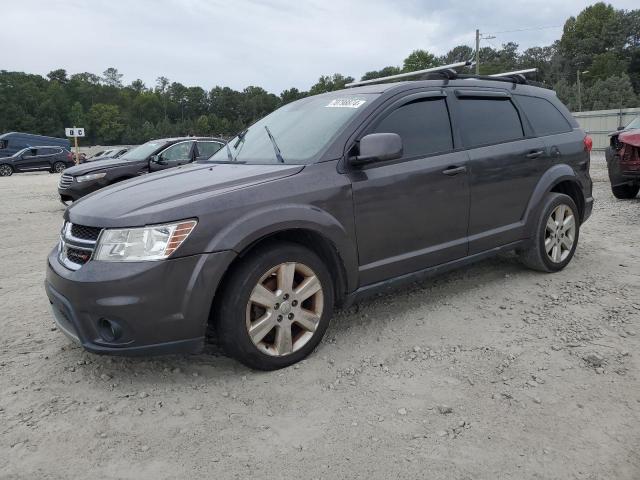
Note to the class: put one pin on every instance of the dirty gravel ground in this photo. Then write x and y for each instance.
(488, 372)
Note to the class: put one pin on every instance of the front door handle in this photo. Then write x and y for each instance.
(535, 154)
(451, 171)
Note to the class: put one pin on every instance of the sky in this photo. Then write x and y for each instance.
(275, 44)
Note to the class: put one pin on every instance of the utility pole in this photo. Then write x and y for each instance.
(580, 90)
(477, 52)
(478, 38)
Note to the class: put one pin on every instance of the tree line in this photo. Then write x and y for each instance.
(603, 43)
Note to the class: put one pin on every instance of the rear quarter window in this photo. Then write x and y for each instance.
(543, 116)
(486, 121)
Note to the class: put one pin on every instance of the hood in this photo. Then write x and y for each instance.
(631, 137)
(169, 195)
(97, 165)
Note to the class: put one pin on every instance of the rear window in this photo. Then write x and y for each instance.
(206, 149)
(486, 121)
(423, 125)
(544, 117)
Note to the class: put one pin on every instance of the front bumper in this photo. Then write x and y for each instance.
(77, 190)
(618, 176)
(157, 307)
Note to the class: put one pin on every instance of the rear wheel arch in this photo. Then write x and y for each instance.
(572, 189)
(559, 179)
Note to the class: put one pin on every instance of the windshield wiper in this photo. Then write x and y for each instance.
(275, 145)
(240, 137)
(229, 156)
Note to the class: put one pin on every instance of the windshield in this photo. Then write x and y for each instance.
(143, 151)
(20, 152)
(634, 124)
(300, 129)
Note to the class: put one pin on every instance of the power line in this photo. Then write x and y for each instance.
(526, 29)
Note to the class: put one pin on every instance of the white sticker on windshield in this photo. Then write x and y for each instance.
(346, 103)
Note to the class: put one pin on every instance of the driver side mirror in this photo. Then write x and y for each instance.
(378, 147)
(620, 128)
(157, 159)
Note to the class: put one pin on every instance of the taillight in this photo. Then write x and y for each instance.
(588, 143)
(69, 156)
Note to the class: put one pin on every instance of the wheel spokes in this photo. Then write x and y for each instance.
(307, 288)
(307, 320)
(284, 341)
(261, 327)
(263, 297)
(286, 273)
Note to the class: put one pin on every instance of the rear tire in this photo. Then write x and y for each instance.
(6, 170)
(58, 167)
(625, 192)
(555, 236)
(275, 306)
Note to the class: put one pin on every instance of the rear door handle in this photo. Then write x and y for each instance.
(451, 171)
(535, 154)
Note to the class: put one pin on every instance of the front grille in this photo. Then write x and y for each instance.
(77, 243)
(65, 181)
(85, 233)
(78, 256)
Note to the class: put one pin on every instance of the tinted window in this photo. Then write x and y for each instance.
(486, 121)
(206, 149)
(544, 117)
(423, 126)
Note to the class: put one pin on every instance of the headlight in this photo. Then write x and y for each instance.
(91, 176)
(155, 242)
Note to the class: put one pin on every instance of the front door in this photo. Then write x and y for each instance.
(412, 213)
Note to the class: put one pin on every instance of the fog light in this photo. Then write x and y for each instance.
(109, 331)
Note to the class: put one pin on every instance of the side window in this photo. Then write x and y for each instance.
(544, 117)
(178, 152)
(486, 121)
(206, 149)
(423, 125)
(4, 143)
(32, 152)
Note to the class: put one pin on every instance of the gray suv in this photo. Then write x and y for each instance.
(321, 203)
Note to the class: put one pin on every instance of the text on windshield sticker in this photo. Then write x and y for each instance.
(346, 103)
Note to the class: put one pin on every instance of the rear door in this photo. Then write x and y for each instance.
(412, 213)
(505, 163)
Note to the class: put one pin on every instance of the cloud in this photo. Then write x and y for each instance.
(275, 44)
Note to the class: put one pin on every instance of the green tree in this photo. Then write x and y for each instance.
(112, 78)
(385, 72)
(76, 115)
(419, 60)
(105, 123)
(329, 83)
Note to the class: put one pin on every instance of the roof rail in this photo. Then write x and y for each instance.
(443, 68)
(514, 73)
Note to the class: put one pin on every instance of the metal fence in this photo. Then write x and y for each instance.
(600, 123)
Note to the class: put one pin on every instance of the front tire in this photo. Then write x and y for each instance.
(275, 306)
(555, 236)
(6, 170)
(625, 192)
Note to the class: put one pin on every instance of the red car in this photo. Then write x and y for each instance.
(623, 161)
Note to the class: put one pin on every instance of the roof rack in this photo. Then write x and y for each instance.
(446, 70)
